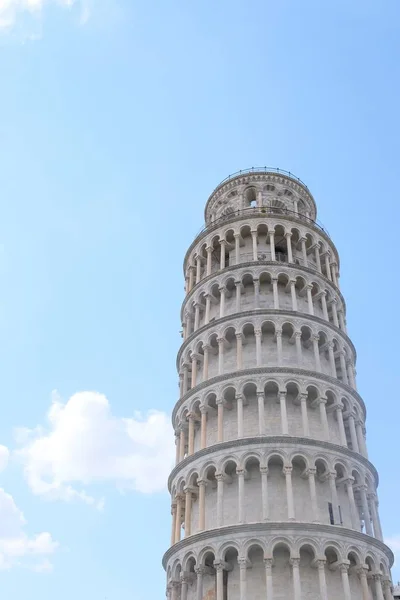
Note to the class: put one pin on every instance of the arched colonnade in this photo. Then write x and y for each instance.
(262, 289)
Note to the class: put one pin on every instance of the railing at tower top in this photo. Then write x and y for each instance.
(261, 170)
(263, 211)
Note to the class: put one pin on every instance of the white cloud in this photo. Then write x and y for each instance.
(84, 444)
(4, 456)
(16, 548)
(12, 10)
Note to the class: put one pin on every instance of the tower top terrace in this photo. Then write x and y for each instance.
(273, 189)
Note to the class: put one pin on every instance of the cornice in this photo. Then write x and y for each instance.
(279, 527)
(277, 441)
(267, 371)
(262, 263)
(263, 311)
(261, 217)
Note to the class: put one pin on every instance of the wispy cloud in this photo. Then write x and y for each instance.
(83, 444)
(16, 547)
(12, 11)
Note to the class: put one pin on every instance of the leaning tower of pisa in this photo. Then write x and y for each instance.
(273, 494)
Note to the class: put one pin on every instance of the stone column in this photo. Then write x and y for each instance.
(293, 294)
(299, 352)
(191, 418)
(177, 447)
(173, 513)
(343, 367)
(185, 379)
(334, 495)
(289, 492)
(220, 355)
(199, 584)
(191, 277)
(178, 521)
(339, 417)
(220, 420)
(342, 325)
(198, 269)
(318, 257)
(182, 445)
(295, 562)
(180, 384)
(332, 359)
(238, 285)
(194, 370)
(174, 593)
(188, 511)
(243, 578)
(310, 300)
(304, 414)
(313, 493)
(254, 240)
(237, 248)
(315, 340)
(355, 519)
(375, 518)
(324, 306)
(196, 316)
(222, 302)
(205, 362)
(208, 307)
(268, 576)
(220, 580)
(222, 259)
(387, 588)
(240, 475)
(202, 503)
(304, 251)
(284, 419)
(323, 590)
(272, 244)
(288, 237)
(364, 502)
(275, 291)
(203, 427)
(209, 257)
(344, 570)
(353, 434)
(334, 313)
(239, 351)
(362, 571)
(360, 438)
(324, 418)
(327, 267)
(261, 413)
(256, 283)
(264, 493)
(239, 402)
(378, 586)
(220, 498)
(351, 374)
(278, 334)
(334, 273)
(257, 333)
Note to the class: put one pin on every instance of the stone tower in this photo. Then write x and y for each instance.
(273, 495)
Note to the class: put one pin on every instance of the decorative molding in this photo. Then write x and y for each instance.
(213, 381)
(263, 529)
(262, 264)
(258, 312)
(275, 440)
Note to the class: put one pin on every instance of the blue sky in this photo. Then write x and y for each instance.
(119, 117)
